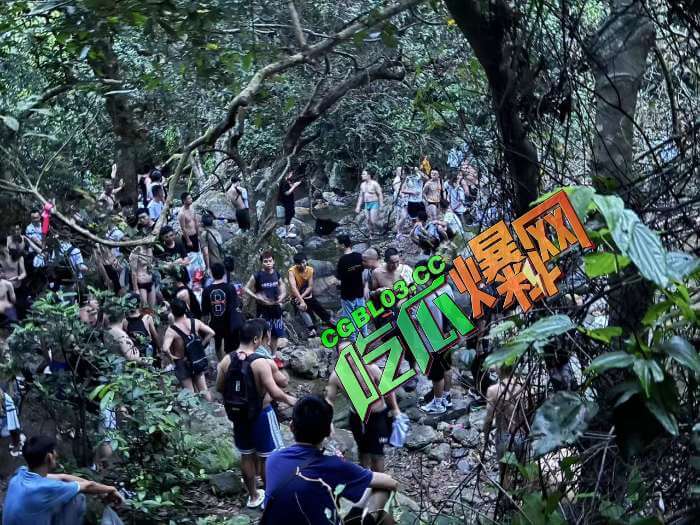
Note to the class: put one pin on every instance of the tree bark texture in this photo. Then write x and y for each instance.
(130, 136)
(490, 28)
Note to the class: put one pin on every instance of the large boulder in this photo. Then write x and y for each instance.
(310, 363)
(343, 442)
(420, 436)
(322, 268)
(439, 452)
(468, 437)
(226, 484)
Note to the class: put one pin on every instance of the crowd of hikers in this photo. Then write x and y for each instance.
(188, 274)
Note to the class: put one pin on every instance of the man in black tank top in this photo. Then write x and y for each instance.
(268, 290)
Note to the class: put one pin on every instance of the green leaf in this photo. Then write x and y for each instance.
(681, 264)
(667, 420)
(545, 328)
(648, 371)
(681, 351)
(508, 355)
(561, 420)
(597, 264)
(611, 207)
(648, 254)
(627, 390)
(655, 311)
(609, 361)
(10, 122)
(604, 334)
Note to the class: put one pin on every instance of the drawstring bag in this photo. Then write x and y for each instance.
(399, 431)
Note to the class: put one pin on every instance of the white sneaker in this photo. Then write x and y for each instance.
(447, 400)
(291, 235)
(255, 503)
(435, 406)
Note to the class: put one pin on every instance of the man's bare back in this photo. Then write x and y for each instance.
(7, 295)
(335, 386)
(505, 404)
(236, 197)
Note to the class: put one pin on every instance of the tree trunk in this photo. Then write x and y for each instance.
(130, 137)
(490, 28)
(618, 57)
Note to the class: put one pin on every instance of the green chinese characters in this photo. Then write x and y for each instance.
(412, 335)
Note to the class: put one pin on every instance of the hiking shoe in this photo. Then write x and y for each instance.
(447, 400)
(255, 503)
(436, 406)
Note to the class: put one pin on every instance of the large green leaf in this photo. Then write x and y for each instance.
(682, 351)
(655, 311)
(603, 334)
(597, 264)
(561, 420)
(545, 328)
(648, 371)
(580, 197)
(609, 361)
(666, 418)
(648, 254)
(507, 355)
(681, 264)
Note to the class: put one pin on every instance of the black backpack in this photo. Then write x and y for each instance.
(241, 399)
(194, 351)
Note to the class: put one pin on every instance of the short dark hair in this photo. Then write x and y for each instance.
(218, 270)
(344, 239)
(207, 219)
(249, 331)
(36, 449)
(166, 230)
(299, 258)
(184, 195)
(156, 175)
(235, 179)
(267, 254)
(142, 211)
(157, 189)
(390, 252)
(178, 307)
(264, 325)
(311, 420)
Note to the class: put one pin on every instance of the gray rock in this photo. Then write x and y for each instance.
(459, 452)
(414, 414)
(226, 484)
(465, 466)
(469, 437)
(360, 247)
(343, 441)
(314, 242)
(322, 268)
(304, 202)
(439, 452)
(420, 436)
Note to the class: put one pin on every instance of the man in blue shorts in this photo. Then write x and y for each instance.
(256, 432)
(268, 290)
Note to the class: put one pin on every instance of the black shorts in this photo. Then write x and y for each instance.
(289, 213)
(194, 239)
(412, 208)
(243, 219)
(183, 370)
(440, 365)
(231, 339)
(113, 276)
(373, 435)
(146, 286)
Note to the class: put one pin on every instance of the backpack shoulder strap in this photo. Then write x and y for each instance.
(179, 332)
(193, 327)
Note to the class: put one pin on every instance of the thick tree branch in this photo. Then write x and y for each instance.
(44, 98)
(296, 24)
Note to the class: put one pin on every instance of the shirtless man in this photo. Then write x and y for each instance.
(174, 348)
(141, 263)
(384, 278)
(506, 404)
(238, 196)
(189, 224)
(121, 342)
(8, 314)
(257, 439)
(371, 198)
(432, 192)
(372, 435)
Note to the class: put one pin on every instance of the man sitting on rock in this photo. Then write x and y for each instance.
(301, 284)
(37, 497)
(302, 482)
(370, 436)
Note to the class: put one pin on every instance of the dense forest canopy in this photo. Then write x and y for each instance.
(601, 98)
